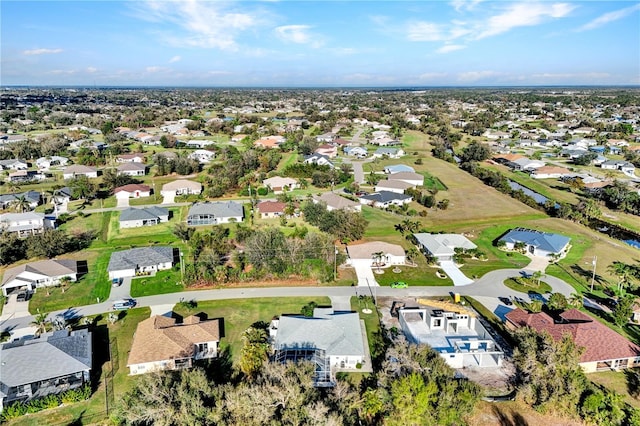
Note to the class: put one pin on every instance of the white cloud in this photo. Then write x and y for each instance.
(463, 5)
(586, 75)
(154, 69)
(176, 58)
(524, 15)
(425, 31)
(92, 70)
(298, 34)
(450, 48)
(609, 17)
(471, 76)
(205, 24)
(432, 75)
(41, 51)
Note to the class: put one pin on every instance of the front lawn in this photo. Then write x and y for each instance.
(617, 381)
(239, 314)
(162, 282)
(422, 275)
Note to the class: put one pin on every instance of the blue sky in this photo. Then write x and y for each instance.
(326, 43)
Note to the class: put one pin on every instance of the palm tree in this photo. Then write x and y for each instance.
(377, 258)
(40, 322)
(21, 204)
(575, 300)
(412, 253)
(624, 272)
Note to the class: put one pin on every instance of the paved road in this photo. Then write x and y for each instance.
(489, 286)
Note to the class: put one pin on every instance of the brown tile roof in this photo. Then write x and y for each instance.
(600, 342)
(271, 207)
(551, 169)
(132, 187)
(509, 157)
(159, 338)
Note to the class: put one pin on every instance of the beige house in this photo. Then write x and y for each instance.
(182, 187)
(336, 202)
(43, 273)
(279, 184)
(392, 254)
(161, 344)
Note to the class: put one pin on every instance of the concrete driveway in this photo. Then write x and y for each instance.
(169, 197)
(456, 275)
(364, 272)
(538, 263)
(121, 292)
(14, 309)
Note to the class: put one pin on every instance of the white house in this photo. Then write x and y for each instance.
(460, 339)
(336, 202)
(146, 216)
(442, 246)
(215, 213)
(537, 243)
(132, 190)
(278, 184)
(319, 159)
(550, 172)
(355, 151)
(337, 340)
(392, 254)
(388, 152)
(13, 164)
(41, 273)
(143, 260)
(182, 187)
(79, 170)
(397, 186)
(132, 169)
(130, 158)
(384, 199)
(415, 179)
(25, 224)
(202, 156)
(397, 168)
(45, 163)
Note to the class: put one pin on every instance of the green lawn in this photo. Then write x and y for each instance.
(239, 314)
(422, 275)
(162, 282)
(527, 285)
(616, 381)
(93, 411)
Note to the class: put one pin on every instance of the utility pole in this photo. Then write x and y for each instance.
(182, 266)
(335, 262)
(593, 276)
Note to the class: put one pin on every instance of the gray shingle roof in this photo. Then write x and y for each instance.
(138, 257)
(52, 355)
(553, 243)
(217, 209)
(337, 334)
(385, 196)
(152, 212)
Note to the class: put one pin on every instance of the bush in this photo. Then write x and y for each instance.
(18, 409)
(263, 190)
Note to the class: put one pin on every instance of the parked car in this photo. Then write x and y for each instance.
(505, 300)
(120, 305)
(23, 296)
(399, 284)
(116, 282)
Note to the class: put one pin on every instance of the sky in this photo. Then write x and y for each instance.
(319, 43)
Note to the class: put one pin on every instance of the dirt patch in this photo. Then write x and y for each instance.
(265, 283)
(515, 413)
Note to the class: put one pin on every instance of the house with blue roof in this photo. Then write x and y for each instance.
(398, 168)
(537, 243)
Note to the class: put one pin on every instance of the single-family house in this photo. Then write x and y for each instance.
(550, 172)
(41, 273)
(269, 142)
(13, 164)
(330, 151)
(319, 159)
(384, 199)
(603, 348)
(160, 343)
(132, 169)
(45, 163)
(415, 179)
(54, 362)
(279, 184)
(142, 260)
(355, 151)
(388, 152)
(442, 246)
(31, 197)
(182, 187)
(25, 176)
(271, 209)
(392, 254)
(334, 201)
(132, 190)
(537, 243)
(398, 168)
(622, 165)
(525, 164)
(336, 341)
(202, 156)
(455, 333)
(79, 170)
(397, 186)
(326, 137)
(146, 216)
(130, 158)
(25, 224)
(208, 213)
(198, 143)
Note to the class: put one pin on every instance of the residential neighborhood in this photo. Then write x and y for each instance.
(259, 238)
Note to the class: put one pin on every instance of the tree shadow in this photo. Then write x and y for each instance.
(219, 370)
(509, 419)
(587, 274)
(633, 383)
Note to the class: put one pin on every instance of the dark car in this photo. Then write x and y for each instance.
(116, 282)
(120, 305)
(22, 296)
(505, 300)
